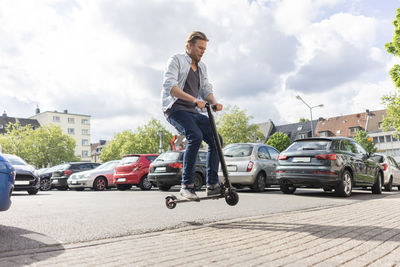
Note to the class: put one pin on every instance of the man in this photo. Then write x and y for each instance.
(186, 86)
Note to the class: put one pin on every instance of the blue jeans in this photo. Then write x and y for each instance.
(196, 127)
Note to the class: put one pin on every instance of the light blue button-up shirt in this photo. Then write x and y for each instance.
(176, 73)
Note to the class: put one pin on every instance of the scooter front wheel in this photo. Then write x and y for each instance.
(170, 202)
(232, 198)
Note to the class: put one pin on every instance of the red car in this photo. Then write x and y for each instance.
(133, 170)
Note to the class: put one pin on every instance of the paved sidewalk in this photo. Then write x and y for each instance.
(365, 233)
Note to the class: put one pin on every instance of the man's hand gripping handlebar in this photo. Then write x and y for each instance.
(202, 104)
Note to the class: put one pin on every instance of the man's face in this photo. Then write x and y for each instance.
(197, 49)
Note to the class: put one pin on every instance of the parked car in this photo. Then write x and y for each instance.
(166, 170)
(391, 171)
(337, 163)
(7, 177)
(45, 177)
(60, 176)
(26, 178)
(133, 170)
(251, 164)
(98, 179)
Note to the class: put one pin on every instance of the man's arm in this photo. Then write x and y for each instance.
(179, 93)
(211, 99)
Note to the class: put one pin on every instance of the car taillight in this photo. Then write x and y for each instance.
(151, 165)
(176, 165)
(280, 171)
(250, 166)
(282, 157)
(326, 156)
(384, 166)
(67, 173)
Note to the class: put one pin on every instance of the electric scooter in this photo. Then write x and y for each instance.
(227, 191)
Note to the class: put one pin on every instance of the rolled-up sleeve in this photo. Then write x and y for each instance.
(171, 74)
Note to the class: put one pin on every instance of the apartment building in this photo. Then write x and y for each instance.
(75, 125)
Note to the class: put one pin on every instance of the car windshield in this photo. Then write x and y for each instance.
(15, 160)
(309, 145)
(238, 150)
(168, 156)
(108, 165)
(128, 160)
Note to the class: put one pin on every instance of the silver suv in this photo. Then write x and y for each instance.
(251, 164)
(391, 171)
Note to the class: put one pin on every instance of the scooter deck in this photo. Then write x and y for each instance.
(181, 200)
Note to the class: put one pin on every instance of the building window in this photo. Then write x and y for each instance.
(375, 140)
(85, 121)
(71, 120)
(381, 139)
(353, 130)
(85, 142)
(388, 138)
(85, 153)
(338, 132)
(394, 139)
(1, 126)
(56, 118)
(299, 128)
(380, 125)
(323, 134)
(71, 131)
(301, 136)
(85, 131)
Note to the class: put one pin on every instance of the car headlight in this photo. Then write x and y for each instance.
(85, 176)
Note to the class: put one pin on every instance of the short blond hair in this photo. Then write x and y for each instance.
(194, 36)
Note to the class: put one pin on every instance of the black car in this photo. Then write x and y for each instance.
(45, 177)
(60, 176)
(337, 163)
(26, 178)
(166, 170)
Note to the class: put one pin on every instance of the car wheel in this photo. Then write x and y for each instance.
(33, 191)
(164, 187)
(79, 189)
(345, 186)
(377, 187)
(99, 184)
(145, 184)
(259, 183)
(389, 186)
(287, 188)
(123, 187)
(198, 181)
(45, 184)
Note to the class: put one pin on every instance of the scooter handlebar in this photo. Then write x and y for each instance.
(208, 105)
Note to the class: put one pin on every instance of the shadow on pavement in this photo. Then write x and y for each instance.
(363, 233)
(17, 242)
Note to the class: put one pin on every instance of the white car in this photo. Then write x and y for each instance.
(391, 171)
(98, 179)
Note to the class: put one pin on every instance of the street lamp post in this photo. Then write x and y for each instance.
(160, 147)
(318, 106)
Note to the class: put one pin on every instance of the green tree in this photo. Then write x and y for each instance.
(303, 120)
(279, 140)
(365, 141)
(233, 125)
(144, 140)
(392, 101)
(45, 146)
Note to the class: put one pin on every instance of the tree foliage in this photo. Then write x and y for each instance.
(144, 140)
(365, 141)
(303, 120)
(233, 126)
(392, 101)
(45, 146)
(279, 140)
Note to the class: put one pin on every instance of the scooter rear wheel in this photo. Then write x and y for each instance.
(170, 202)
(232, 198)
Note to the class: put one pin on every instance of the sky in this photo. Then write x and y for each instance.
(106, 58)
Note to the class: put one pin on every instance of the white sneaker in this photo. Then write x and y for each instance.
(189, 193)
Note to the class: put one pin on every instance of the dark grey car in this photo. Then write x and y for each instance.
(251, 164)
(328, 163)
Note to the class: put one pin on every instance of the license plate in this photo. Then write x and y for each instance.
(161, 169)
(301, 159)
(74, 182)
(121, 180)
(21, 182)
(231, 168)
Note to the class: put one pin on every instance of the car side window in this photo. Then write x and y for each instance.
(360, 150)
(273, 153)
(151, 158)
(263, 153)
(348, 146)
